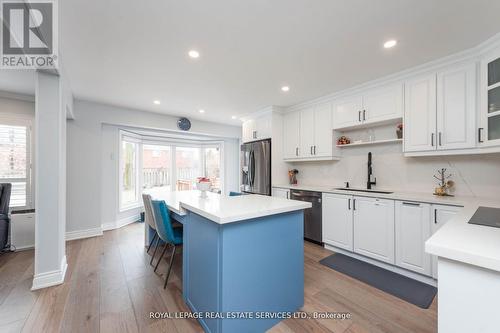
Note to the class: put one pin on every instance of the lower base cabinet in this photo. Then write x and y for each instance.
(337, 220)
(413, 228)
(440, 215)
(280, 193)
(374, 228)
(391, 231)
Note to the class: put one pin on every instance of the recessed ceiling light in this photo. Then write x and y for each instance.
(201, 111)
(234, 117)
(194, 54)
(157, 102)
(390, 43)
(285, 88)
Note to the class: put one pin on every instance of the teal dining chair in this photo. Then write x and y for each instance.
(168, 234)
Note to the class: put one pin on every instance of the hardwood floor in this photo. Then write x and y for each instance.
(110, 287)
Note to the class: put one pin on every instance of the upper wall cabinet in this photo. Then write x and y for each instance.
(440, 111)
(372, 107)
(420, 114)
(489, 132)
(257, 128)
(307, 134)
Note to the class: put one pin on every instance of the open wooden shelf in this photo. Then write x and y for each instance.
(376, 142)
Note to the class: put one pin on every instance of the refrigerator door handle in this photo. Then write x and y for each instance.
(252, 163)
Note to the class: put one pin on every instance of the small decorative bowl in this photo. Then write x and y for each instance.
(203, 187)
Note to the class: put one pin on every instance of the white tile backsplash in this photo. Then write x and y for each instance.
(474, 175)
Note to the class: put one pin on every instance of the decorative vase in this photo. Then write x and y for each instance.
(399, 134)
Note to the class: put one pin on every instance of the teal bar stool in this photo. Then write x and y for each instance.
(168, 234)
(234, 194)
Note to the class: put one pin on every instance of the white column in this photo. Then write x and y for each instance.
(50, 177)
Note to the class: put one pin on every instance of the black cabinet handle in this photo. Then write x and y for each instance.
(479, 134)
(353, 204)
(349, 204)
(411, 204)
(440, 139)
(364, 115)
(435, 216)
(432, 139)
(297, 151)
(359, 115)
(314, 150)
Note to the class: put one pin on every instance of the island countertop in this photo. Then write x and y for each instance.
(224, 209)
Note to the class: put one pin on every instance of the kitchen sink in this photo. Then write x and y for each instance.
(360, 190)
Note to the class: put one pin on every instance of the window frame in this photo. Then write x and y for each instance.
(132, 138)
(29, 179)
(173, 144)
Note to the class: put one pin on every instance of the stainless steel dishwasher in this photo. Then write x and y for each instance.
(312, 216)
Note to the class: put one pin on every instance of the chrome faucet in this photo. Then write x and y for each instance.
(370, 182)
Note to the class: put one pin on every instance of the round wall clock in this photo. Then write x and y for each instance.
(184, 124)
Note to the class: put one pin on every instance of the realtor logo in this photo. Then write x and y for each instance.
(29, 38)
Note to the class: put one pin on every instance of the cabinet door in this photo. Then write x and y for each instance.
(440, 216)
(456, 108)
(323, 134)
(281, 193)
(248, 131)
(420, 114)
(263, 127)
(291, 135)
(374, 228)
(306, 133)
(489, 132)
(383, 104)
(413, 228)
(347, 112)
(337, 220)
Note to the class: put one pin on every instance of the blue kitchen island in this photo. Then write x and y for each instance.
(243, 258)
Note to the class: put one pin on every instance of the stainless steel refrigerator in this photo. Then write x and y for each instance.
(256, 167)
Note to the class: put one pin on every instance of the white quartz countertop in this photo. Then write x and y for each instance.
(396, 195)
(457, 239)
(225, 209)
(469, 243)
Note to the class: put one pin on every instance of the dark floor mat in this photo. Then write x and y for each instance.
(412, 291)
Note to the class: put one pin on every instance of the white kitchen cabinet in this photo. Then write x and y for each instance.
(281, 192)
(374, 228)
(456, 108)
(291, 135)
(374, 106)
(308, 134)
(489, 130)
(338, 220)
(440, 110)
(323, 134)
(420, 114)
(383, 104)
(441, 214)
(258, 128)
(347, 112)
(413, 228)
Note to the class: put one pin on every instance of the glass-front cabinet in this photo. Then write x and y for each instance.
(489, 133)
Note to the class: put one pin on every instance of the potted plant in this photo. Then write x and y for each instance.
(399, 131)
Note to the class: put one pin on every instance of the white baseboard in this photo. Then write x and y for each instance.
(121, 223)
(52, 278)
(79, 234)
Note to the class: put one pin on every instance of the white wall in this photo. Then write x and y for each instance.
(92, 181)
(474, 175)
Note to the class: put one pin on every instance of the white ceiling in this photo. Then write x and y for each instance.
(130, 53)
